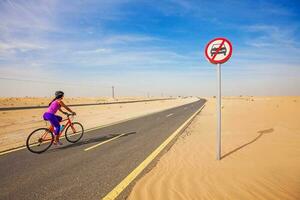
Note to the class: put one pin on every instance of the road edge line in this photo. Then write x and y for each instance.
(129, 178)
(12, 150)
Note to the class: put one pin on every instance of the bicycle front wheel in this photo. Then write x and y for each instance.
(74, 132)
(39, 140)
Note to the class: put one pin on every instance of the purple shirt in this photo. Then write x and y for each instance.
(54, 106)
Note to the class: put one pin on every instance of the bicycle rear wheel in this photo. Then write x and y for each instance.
(39, 140)
(74, 132)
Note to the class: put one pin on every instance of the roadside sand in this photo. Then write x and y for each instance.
(44, 101)
(16, 125)
(261, 154)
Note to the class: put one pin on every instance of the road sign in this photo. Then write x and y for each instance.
(218, 50)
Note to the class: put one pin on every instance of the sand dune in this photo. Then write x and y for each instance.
(261, 154)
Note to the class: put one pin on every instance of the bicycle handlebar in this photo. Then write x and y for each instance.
(69, 114)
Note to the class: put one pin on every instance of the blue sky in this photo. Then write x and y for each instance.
(140, 47)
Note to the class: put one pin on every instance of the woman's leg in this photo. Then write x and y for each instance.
(58, 120)
(54, 120)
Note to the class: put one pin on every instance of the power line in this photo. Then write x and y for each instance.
(146, 93)
(50, 82)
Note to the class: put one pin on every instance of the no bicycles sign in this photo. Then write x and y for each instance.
(218, 50)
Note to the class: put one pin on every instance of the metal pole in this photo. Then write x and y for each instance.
(113, 92)
(219, 113)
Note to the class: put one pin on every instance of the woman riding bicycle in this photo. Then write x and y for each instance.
(49, 115)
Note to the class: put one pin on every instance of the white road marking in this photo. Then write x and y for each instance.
(169, 115)
(101, 143)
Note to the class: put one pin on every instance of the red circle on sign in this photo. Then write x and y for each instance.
(224, 59)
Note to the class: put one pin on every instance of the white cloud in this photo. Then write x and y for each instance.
(273, 36)
(22, 46)
(27, 15)
(142, 58)
(126, 39)
(27, 70)
(94, 51)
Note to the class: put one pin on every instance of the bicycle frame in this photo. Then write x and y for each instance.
(51, 128)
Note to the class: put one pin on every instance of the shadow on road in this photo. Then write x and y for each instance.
(91, 140)
(261, 133)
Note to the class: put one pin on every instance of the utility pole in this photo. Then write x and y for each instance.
(113, 92)
(148, 95)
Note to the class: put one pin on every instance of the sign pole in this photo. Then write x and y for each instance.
(219, 112)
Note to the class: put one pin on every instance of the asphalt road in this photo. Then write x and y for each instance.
(69, 172)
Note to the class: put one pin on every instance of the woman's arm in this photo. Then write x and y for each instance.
(62, 111)
(66, 107)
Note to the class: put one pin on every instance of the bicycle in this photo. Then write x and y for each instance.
(41, 139)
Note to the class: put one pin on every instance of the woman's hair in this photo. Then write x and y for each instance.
(58, 95)
(52, 101)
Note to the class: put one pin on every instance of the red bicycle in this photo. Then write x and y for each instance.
(41, 139)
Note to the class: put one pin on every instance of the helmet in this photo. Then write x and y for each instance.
(59, 94)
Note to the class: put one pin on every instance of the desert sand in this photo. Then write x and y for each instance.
(16, 125)
(44, 101)
(260, 149)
